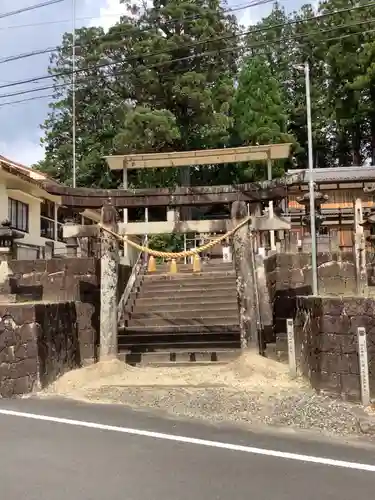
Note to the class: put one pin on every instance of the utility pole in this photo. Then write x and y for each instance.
(74, 173)
(314, 266)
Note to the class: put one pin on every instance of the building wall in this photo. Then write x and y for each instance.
(22, 191)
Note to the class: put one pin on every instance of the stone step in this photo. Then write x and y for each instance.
(181, 357)
(176, 331)
(181, 293)
(193, 278)
(187, 298)
(185, 314)
(218, 299)
(190, 286)
(146, 341)
(178, 308)
(184, 275)
(188, 268)
(155, 320)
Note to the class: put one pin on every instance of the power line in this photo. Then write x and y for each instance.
(28, 99)
(254, 3)
(209, 53)
(25, 55)
(200, 42)
(31, 7)
(47, 50)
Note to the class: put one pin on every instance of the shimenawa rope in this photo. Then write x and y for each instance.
(176, 255)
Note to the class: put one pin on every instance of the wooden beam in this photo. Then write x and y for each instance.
(200, 157)
(261, 223)
(180, 196)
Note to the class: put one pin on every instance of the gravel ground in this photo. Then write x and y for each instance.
(303, 410)
(250, 390)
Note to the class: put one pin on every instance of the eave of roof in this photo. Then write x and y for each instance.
(338, 174)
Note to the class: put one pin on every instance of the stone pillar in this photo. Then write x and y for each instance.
(7, 247)
(360, 248)
(71, 244)
(270, 203)
(265, 311)
(108, 284)
(243, 256)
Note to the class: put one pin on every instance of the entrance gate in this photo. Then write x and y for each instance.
(246, 219)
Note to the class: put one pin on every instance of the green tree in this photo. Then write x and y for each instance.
(341, 50)
(99, 112)
(258, 110)
(180, 60)
(167, 70)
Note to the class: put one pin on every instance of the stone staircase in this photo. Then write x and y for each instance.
(183, 317)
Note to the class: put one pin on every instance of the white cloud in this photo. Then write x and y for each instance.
(246, 18)
(109, 14)
(21, 151)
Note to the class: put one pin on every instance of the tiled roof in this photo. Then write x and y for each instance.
(26, 172)
(338, 174)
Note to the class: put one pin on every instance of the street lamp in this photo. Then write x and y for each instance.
(314, 266)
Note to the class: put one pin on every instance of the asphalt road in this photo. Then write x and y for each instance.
(58, 450)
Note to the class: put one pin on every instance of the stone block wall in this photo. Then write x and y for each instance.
(336, 272)
(326, 342)
(68, 279)
(38, 343)
(289, 276)
(54, 324)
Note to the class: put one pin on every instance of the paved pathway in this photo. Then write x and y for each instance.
(58, 450)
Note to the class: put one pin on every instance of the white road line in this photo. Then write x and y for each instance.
(189, 440)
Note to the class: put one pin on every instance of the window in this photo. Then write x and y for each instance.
(18, 213)
(47, 228)
(47, 219)
(47, 209)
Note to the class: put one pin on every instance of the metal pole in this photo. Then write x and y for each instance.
(146, 220)
(74, 90)
(125, 210)
(314, 267)
(270, 203)
(185, 248)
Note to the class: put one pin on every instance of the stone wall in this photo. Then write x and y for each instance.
(38, 343)
(336, 272)
(326, 342)
(68, 279)
(289, 276)
(49, 320)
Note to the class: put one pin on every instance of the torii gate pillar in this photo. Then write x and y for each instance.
(108, 285)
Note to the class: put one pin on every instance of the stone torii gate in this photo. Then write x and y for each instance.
(246, 200)
(187, 159)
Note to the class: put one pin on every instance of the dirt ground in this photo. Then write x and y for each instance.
(249, 390)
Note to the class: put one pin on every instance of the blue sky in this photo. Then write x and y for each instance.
(19, 123)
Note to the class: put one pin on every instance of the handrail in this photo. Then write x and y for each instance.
(131, 281)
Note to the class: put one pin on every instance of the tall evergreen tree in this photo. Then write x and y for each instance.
(258, 110)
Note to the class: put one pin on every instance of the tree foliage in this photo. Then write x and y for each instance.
(176, 76)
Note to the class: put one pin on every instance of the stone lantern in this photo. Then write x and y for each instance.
(7, 237)
(71, 243)
(323, 244)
